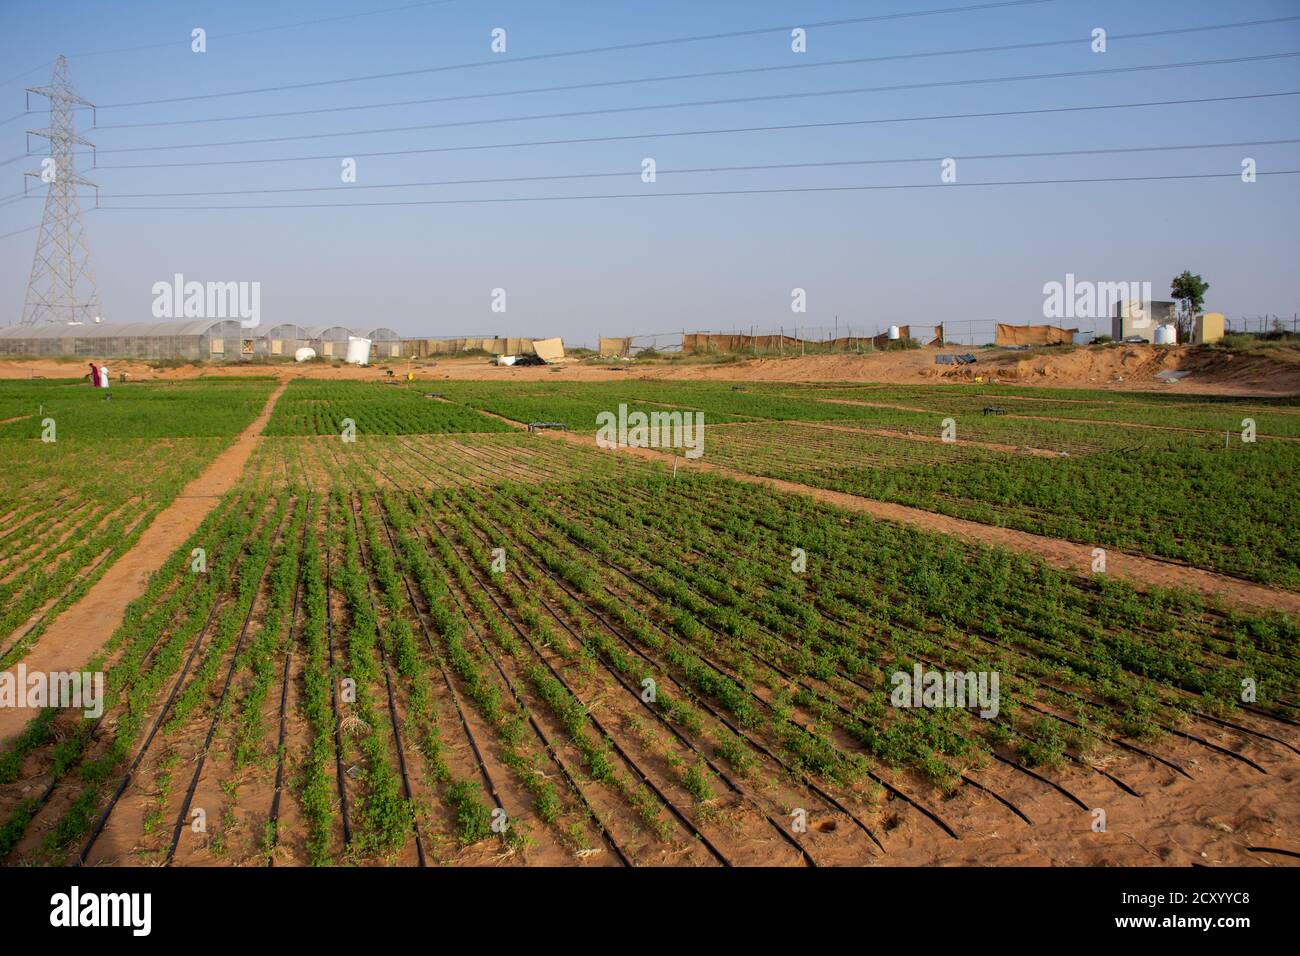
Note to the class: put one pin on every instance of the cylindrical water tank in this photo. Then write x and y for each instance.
(358, 351)
(1166, 335)
(304, 355)
(893, 333)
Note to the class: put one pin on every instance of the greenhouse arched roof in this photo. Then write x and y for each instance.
(87, 330)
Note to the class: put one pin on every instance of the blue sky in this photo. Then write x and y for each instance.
(643, 265)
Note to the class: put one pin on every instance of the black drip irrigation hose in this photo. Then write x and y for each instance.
(130, 773)
(334, 698)
(367, 565)
(931, 815)
(546, 743)
(653, 787)
(718, 771)
(216, 716)
(717, 715)
(284, 696)
(460, 711)
(822, 794)
(48, 792)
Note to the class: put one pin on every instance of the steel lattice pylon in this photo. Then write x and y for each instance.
(62, 285)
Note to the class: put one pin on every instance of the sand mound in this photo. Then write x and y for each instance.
(1265, 371)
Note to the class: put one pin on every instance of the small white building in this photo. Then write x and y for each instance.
(1135, 318)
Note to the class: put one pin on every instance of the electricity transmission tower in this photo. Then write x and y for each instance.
(62, 285)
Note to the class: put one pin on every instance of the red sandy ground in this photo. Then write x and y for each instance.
(1265, 371)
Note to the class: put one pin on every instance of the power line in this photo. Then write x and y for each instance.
(615, 48)
(712, 192)
(728, 101)
(699, 193)
(283, 26)
(19, 232)
(826, 164)
(711, 74)
(235, 34)
(827, 124)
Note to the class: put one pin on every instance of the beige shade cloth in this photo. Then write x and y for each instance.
(722, 342)
(549, 351)
(419, 348)
(1034, 335)
(611, 347)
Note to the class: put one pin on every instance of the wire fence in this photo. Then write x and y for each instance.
(776, 339)
(866, 336)
(839, 336)
(1264, 324)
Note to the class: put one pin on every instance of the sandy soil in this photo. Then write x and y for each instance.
(76, 634)
(1218, 811)
(1271, 371)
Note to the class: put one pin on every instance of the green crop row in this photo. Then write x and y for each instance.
(1227, 509)
(311, 407)
(193, 409)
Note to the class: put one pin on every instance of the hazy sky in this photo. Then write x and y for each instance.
(640, 265)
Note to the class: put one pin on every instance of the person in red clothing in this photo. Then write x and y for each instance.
(94, 376)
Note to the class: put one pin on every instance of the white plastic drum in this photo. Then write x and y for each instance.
(1166, 335)
(358, 351)
(304, 355)
(893, 333)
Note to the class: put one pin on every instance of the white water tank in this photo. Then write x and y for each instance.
(358, 351)
(893, 333)
(304, 355)
(1166, 335)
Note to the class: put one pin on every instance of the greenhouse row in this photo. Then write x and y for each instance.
(204, 339)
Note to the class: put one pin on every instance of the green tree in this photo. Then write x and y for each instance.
(1189, 291)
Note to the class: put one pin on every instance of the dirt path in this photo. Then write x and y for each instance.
(1244, 403)
(909, 436)
(76, 634)
(1066, 555)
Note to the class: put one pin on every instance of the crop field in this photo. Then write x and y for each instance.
(437, 461)
(1227, 509)
(1127, 477)
(206, 408)
(312, 408)
(446, 640)
(73, 504)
